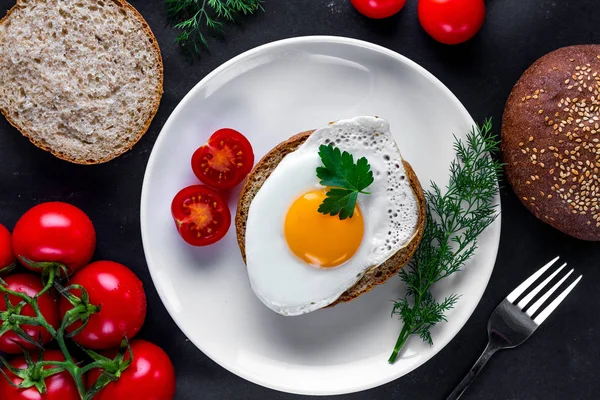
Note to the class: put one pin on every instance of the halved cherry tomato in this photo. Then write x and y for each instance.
(60, 386)
(31, 285)
(378, 9)
(225, 160)
(55, 231)
(7, 257)
(451, 21)
(150, 376)
(201, 215)
(122, 300)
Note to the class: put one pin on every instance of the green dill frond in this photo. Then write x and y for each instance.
(455, 217)
(196, 18)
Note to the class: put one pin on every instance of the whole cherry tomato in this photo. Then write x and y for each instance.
(201, 215)
(31, 285)
(378, 8)
(59, 387)
(7, 257)
(451, 21)
(150, 376)
(56, 232)
(122, 301)
(225, 160)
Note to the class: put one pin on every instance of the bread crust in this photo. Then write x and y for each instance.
(550, 140)
(142, 131)
(375, 275)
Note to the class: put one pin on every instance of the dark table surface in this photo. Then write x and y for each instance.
(556, 363)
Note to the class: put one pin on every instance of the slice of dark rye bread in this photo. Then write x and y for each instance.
(374, 276)
(81, 79)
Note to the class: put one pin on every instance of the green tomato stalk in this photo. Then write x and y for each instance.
(36, 372)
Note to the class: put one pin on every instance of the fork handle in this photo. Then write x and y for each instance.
(475, 370)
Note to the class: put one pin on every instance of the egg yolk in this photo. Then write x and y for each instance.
(319, 239)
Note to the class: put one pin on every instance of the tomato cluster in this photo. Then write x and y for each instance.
(201, 212)
(101, 309)
(447, 21)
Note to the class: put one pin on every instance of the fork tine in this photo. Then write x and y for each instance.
(539, 287)
(548, 310)
(523, 286)
(545, 297)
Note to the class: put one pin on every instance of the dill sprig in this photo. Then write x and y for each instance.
(454, 221)
(193, 17)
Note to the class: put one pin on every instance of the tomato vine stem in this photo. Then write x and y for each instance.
(81, 311)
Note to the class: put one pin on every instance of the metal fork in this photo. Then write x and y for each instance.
(509, 325)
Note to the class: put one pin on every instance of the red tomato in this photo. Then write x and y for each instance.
(56, 232)
(150, 376)
(451, 21)
(7, 257)
(225, 160)
(31, 285)
(59, 387)
(201, 215)
(378, 8)
(122, 301)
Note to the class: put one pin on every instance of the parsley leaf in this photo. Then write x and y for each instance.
(346, 179)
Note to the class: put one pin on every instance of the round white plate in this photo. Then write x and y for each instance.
(270, 93)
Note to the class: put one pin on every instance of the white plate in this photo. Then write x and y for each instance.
(270, 93)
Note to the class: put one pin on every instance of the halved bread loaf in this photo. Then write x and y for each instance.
(80, 78)
(375, 275)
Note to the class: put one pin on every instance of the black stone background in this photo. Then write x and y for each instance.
(558, 362)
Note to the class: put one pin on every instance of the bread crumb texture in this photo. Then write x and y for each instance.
(80, 78)
(551, 140)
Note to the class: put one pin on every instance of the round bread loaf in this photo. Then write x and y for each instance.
(551, 140)
(80, 78)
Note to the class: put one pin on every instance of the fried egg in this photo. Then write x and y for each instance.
(300, 260)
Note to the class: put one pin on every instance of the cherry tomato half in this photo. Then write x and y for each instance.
(451, 21)
(31, 285)
(122, 301)
(224, 161)
(201, 215)
(56, 232)
(7, 257)
(378, 9)
(150, 376)
(58, 387)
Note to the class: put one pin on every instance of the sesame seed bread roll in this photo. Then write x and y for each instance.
(551, 140)
(81, 79)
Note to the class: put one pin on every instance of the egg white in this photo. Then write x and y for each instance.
(287, 284)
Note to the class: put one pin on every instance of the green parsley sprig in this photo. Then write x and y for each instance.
(454, 221)
(345, 178)
(192, 17)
